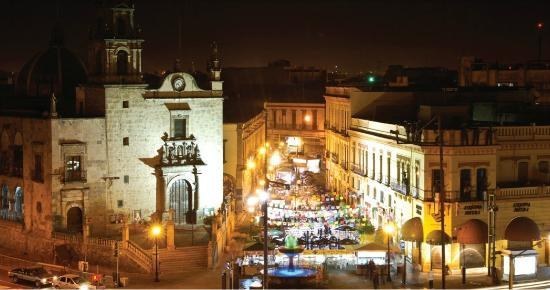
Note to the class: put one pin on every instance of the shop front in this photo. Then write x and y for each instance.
(520, 259)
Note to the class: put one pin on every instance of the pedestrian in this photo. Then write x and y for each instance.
(430, 280)
(371, 267)
(375, 279)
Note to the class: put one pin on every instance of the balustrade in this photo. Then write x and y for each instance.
(180, 151)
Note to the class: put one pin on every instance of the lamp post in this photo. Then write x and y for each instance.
(389, 229)
(155, 231)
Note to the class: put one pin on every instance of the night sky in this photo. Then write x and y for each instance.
(355, 35)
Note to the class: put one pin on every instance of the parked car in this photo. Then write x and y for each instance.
(37, 275)
(72, 281)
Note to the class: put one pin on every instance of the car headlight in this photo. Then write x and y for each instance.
(43, 280)
(83, 287)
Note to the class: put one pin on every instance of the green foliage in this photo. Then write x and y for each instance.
(366, 228)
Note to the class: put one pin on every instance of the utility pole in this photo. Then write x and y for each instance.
(442, 201)
(492, 207)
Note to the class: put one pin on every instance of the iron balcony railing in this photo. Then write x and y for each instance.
(75, 176)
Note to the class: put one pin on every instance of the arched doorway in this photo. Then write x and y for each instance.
(74, 220)
(472, 237)
(180, 199)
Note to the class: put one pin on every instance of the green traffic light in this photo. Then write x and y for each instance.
(371, 79)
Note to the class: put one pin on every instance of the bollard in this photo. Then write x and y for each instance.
(463, 275)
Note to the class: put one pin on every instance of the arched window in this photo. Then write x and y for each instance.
(18, 206)
(122, 62)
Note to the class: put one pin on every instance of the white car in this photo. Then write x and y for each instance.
(71, 281)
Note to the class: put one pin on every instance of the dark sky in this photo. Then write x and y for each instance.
(355, 35)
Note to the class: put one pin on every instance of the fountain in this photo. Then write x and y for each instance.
(291, 275)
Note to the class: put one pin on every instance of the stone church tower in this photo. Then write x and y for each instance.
(114, 55)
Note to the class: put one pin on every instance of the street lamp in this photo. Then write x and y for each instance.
(389, 229)
(155, 232)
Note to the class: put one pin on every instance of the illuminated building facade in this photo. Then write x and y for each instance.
(397, 178)
(84, 152)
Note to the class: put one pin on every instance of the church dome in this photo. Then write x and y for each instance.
(55, 70)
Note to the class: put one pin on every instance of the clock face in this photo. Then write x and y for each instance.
(178, 84)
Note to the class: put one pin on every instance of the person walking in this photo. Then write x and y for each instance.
(430, 280)
(375, 279)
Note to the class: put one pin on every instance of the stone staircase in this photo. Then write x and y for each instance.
(182, 260)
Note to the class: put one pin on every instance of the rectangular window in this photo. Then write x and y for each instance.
(120, 203)
(37, 173)
(436, 181)
(388, 172)
(125, 104)
(180, 128)
(126, 141)
(73, 169)
(126, 179)
(465, 185)
(481, 183)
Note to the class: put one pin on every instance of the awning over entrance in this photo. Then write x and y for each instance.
(522, 229)
(434, 238)
(473, 231)
(412, 230)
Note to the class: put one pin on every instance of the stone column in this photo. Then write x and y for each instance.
(170, 231)
(125, 232)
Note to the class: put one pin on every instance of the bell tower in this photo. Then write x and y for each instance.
(114, 55)
(214, 69)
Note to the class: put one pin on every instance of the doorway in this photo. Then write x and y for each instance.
(180, 200)
(74, 220)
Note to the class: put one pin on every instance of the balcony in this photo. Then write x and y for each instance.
(75, 176)
(344, 165)
(523, 192)
(180, 152)
(399, 186)
(334, 157)
(355, 168)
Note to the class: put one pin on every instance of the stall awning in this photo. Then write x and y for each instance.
(434, 238)
(412, 230)
(473, 231)
(522, 229)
